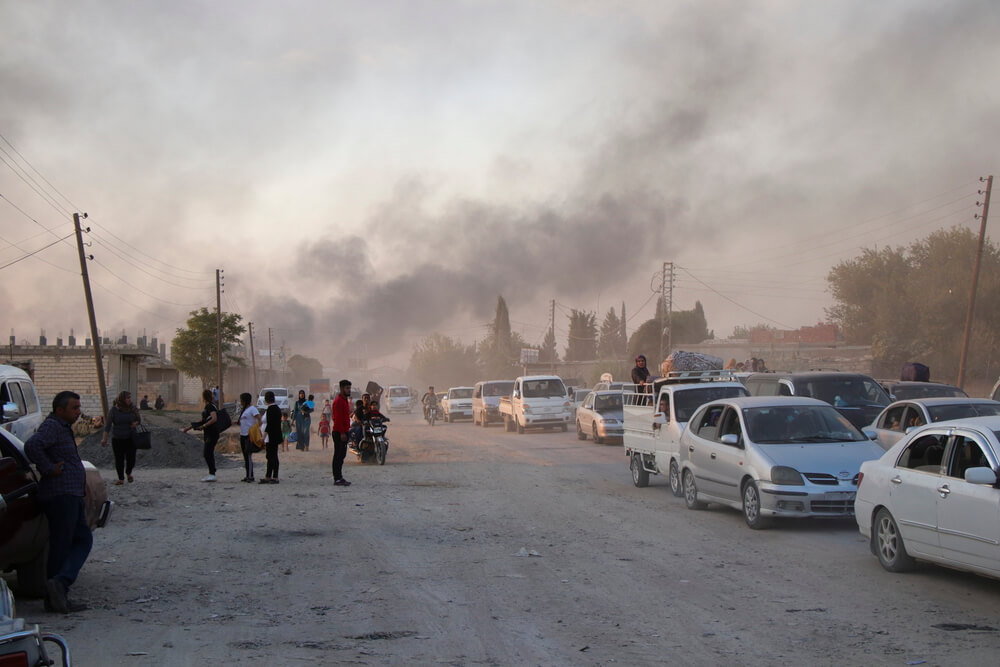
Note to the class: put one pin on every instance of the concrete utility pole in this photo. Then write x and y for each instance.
(975, 277)
(270, 354)
(253, 357)
(667, 312)
(102, 385)
(669, 296)
(218, 330)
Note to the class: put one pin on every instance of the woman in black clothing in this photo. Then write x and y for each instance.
(122, 419)
(207, 426)
(272, 427)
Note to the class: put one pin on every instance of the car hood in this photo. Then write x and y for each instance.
(612, 414)
(831, 458)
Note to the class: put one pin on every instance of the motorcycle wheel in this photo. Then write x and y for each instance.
(380, 453)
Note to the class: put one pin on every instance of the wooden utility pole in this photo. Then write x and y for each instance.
(975, 278)
(98, 361)
(253, 357)
(218, 330)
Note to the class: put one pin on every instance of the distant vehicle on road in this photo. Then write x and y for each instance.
(854, 395)
(902, 416)
(486, 400)
(457, 404)
(536, 401)
(280, 398)
(399, 399)
(601, 417)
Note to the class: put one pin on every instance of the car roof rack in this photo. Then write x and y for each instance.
(687, 377)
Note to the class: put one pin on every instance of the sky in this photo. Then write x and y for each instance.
(366, 173)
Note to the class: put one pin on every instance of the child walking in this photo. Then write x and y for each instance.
(324, 429)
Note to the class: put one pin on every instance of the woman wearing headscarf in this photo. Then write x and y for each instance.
(123, 418)
(303, 422)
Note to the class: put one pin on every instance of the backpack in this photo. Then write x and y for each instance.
(223, 420)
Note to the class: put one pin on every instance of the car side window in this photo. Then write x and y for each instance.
(665, 404)
(767, 388)
(730, 425)
(913, 418)
(708, 425)
(784, 389)
(965, 453)
(30, 399)
(892, 420)
(589, 402)
(924, 453)
(11, 393)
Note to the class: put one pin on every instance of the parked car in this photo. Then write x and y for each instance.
(486, 400)
(933, 496)
(900, 390)
(854, 395)
(24, 530)
(601, 417)
(280, 398)
(457, 404)
(21, 409)
(901, 416)
(773, 457)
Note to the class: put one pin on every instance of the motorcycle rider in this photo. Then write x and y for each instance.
(429, 399)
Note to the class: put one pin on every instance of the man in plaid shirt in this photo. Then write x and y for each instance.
(60, 493)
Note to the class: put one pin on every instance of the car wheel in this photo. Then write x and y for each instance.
(691, 492)
(640, 476)
(484, 421)
(597, 438)
(31, 576)
(564, 427)
(675, 480)
(580, 435)
(506, 424)
(751, 507)
(889, 545)
(520, 426)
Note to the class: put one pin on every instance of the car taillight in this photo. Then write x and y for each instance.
(861, 476)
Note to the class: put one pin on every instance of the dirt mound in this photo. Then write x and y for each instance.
(171, 449)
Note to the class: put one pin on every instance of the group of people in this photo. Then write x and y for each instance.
(159, 404)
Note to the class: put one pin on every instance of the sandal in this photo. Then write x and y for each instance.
(119, 482)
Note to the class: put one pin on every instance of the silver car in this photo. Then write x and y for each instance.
(601, 416)
(901, 416)
(773, 456)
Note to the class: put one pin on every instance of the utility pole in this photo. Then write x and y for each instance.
(669, 295)
(90, 312)
(975, 276)
(667, 311)
(663, 309)
(270, 354)
(253, 357)
(218, 330)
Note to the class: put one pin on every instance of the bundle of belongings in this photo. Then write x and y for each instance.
(679, 360)
(915, 372)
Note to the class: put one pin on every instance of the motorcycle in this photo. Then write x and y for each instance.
(431, 416)
(23, 645)
(374, 444)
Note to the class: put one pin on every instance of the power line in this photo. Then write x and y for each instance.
(733, 301)
(25, 160)
(151, 296)
(201, 274)
(32, 183)
(31, 254)
(143, 269)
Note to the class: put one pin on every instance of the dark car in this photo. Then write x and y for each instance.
(855, 395)
(24, 530)
(903, 390)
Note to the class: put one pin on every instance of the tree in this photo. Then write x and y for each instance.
(582, 343)
(689, 326)
(499, 352)
(910, 303)
(747, 330)
(611, 344)
(548, 353)
(303, 369)
(444, 362)
(194, 350)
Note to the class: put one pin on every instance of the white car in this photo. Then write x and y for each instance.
(280, 398)
(901, 416)
(457, 404)
(933, 496)
(773, 456)
(398, 399)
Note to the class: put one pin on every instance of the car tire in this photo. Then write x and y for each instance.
(31, 576)
(676, 487)
(597, 438)
(888, 543)
(640, 476)
(580, 435)
(691, 492)
(564, 427)
(752, 507)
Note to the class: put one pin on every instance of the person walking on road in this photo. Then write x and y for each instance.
(207, 426)
(303, 422)
(249, 415)
(341, 425)
(272, 427)
(60, 493)
(122, 421)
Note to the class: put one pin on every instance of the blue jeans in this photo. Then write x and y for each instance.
(69, 537)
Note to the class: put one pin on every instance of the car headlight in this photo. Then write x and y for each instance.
(787, 476)
(609, 421)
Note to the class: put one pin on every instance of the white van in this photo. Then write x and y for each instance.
(486, 400)
(22, 412)
(398, 399)
(280, 398)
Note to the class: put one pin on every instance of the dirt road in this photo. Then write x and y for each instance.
(431, 559)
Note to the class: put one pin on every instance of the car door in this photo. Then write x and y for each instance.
(913, 491)
(10, 392)
(586, 414)
(968, 516)
(702, 449)
(727, 460)
(890, 426)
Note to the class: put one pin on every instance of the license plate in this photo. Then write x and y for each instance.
(839, 495)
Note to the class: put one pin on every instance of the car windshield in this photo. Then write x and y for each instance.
(544, 388)
(399, 391)
(928, 391)
(608, 403)
(280, 393)
(844, 392)
(461, 393)
(581, 394)
(799, 424)
(498, 389)
(686, 401)
(943, 413)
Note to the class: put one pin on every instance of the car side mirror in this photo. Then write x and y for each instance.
(730, 439)
(982, 475)
(660, 418)
(10, 412)
(871, 433)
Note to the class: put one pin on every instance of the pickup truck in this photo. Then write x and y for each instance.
(536, 401)
(653, 427)
(457, 404)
